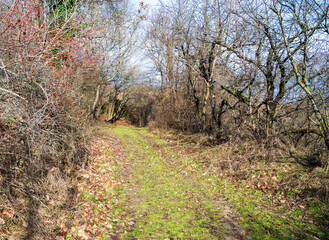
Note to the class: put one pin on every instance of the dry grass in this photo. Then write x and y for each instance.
(270, 169)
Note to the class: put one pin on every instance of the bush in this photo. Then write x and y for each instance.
(42, 113)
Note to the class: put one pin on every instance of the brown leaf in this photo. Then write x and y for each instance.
(25, 224)
(98, 234)
(8, 213)
(89, 229)
(82, 234)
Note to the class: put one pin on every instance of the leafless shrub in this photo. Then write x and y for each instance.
(42, 115)
(174, 112)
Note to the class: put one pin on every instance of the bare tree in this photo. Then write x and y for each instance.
(192, 30)
(302, 25)
(114, 42)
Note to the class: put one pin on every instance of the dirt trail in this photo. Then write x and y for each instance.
(162, 198)
(137, 187)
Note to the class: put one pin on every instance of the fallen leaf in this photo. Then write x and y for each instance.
(25, 224)
(82, 234)
(8, 213)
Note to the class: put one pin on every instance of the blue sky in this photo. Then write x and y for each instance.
(146, 65)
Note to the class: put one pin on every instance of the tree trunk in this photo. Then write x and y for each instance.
(96, 102)
(110, 114)
(204, 108)
(270, 111)
(326, 139)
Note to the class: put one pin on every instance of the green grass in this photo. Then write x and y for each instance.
(175, 198)
(258, 214)
(170, 204)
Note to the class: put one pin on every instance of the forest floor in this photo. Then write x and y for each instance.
(140, 186)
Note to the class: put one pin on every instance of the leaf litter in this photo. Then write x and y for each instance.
(96, 185)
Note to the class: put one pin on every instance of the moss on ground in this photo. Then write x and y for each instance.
(170, 203)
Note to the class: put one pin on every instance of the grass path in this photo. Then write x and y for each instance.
(138, 186)
(161, 197)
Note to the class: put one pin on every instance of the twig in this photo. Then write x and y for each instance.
(27, 193)
(12, 93)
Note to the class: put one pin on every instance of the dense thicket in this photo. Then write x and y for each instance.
(50, 66)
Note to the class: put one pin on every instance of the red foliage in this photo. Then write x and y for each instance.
(52, 56)
(42, 109)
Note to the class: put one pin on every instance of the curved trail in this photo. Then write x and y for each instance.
(163, 196)
(137, 186)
